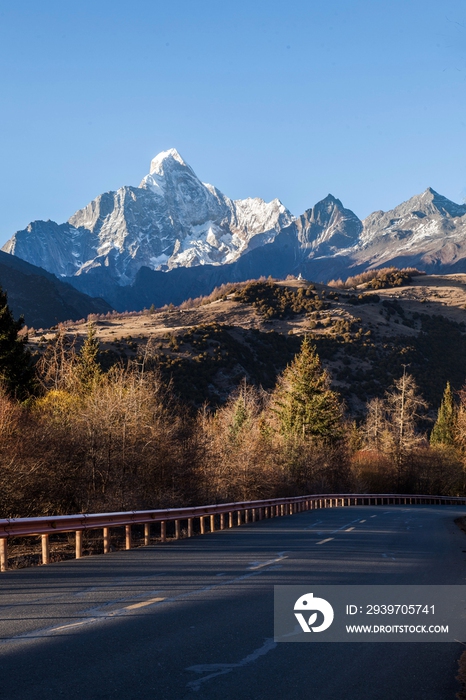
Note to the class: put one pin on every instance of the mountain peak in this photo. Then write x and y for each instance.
(330, 199)
(164, 158)
(439, 203)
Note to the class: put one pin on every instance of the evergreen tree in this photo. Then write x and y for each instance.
(88, 370)
(304, 403)
(444, 430)
(16, 372)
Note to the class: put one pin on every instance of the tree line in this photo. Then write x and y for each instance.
(75, 438)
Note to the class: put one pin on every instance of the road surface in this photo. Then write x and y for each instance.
(193, 619)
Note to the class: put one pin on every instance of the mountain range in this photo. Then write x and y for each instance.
(174, 237)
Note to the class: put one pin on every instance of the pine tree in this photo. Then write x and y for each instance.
(304, 403)
(444, 430)
(88, 369)
(16, 372)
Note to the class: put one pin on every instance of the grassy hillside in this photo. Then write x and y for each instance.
(253, 330)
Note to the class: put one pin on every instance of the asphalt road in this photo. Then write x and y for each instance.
(193, 619)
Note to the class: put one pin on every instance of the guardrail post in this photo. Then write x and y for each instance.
(238, 518)
(259, 513)
(163, 531)
(202, 524)
(230, 518)
(146, 534)
(246, 516)
(222, 521)
(79, 544)
(127, 536)
(106, 538)
(190, 527)
(177, 529)
(45, 549)
(212, 523)
(253, 515)
(3, 554)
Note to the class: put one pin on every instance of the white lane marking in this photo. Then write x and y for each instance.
(343, 527)
(256, 565)
(221, 669)
(339, 529)
(373, 516)
(74, 624)
(102, 616)
(120, 583)
(113, 613)
(362, 521)
(349, 529)
(143, 603)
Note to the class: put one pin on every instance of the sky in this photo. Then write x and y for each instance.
(363, 99)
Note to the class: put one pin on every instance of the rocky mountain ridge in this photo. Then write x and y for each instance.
(172, 219)
(174, 237)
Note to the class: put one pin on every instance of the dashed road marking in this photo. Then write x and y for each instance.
(324, 541)
(256, 565)
(143, 603)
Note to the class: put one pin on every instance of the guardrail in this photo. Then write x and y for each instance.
(245, 511)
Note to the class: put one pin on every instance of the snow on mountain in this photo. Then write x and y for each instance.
(425, 229)
(172, 219)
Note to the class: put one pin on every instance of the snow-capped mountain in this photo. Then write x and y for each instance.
(174, 237)
(172, 219)
(428, 230)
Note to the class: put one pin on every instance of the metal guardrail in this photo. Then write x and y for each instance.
(246, 511)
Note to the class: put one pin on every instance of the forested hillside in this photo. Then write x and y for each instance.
(260, 390)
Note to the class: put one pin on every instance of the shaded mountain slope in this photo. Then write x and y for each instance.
(40, 297)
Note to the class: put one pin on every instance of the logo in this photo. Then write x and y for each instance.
(308, 603)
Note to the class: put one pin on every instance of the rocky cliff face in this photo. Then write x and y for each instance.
(427, 230)
(328, 228)
(185, 236)
(172, 219)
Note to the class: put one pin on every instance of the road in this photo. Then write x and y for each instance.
(193, 619)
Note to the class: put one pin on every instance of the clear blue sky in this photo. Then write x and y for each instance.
(361, 98)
